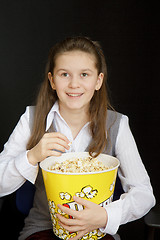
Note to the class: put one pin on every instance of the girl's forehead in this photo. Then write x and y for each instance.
(71, 57)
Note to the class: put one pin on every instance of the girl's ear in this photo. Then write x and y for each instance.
(50, 77)
(99, 81)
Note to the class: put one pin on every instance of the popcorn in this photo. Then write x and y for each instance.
(79, 165)
(69, 144)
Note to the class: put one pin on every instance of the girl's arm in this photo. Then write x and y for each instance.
(17, 164)
(135, 182)
(14, 165)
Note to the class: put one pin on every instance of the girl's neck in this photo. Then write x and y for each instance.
(75, 119)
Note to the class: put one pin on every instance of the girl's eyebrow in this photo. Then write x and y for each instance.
(81, 70)
(86, 70)
(62, 69)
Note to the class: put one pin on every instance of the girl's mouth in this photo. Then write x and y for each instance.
(74, 94)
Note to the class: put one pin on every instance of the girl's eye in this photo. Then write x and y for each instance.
(65, 74)
(84, 74)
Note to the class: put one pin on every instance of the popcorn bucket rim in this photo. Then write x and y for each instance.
(52, 159)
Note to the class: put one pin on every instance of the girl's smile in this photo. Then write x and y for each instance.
(74, 95)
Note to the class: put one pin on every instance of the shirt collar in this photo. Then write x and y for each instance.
(50, 116)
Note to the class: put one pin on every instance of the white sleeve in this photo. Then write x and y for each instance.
(14, 165)
(135, 182)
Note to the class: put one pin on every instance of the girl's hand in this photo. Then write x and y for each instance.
(89, 219)
(47, 146)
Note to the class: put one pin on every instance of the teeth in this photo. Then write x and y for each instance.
(74, 95)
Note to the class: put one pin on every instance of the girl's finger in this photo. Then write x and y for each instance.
(51, 142)
(84, 202)
(72, 228)
(54, 143)
(67, 221)
(57, 135)
(53, 153)
(68, 211)
(55, 146)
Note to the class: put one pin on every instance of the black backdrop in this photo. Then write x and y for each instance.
(128, 32)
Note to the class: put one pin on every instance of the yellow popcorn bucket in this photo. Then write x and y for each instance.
(97, 187)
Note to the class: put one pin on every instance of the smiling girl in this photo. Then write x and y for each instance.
(73, 106)
(75, 86)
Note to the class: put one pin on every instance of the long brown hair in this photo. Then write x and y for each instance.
(98, 104)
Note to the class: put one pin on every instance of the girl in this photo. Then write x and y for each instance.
(73, 107)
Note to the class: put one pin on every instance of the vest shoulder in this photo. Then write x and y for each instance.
(31, 110)
(112, 127)
(113, 115)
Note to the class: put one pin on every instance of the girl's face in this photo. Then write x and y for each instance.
(75, 78)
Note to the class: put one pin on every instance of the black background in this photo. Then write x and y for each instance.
(129, 34)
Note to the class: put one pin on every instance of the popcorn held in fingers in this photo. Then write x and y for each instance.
(69, 144)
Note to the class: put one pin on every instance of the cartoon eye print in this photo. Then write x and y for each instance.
(86, 236)
(61, 231)
(80, 194)
(52, 211)
(57, 232)
(100, 234)
(60, 212)
(54, 221)
(62, 196)
(89, 192)
(94, 232)
(72, 235)
(51, 204)
(64, 236)
(65, 196)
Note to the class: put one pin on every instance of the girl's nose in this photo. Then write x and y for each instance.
(74, 82)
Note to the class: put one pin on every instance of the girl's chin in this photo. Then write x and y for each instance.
(76, 106)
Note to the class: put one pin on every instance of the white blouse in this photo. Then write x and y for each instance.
(15, 167)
